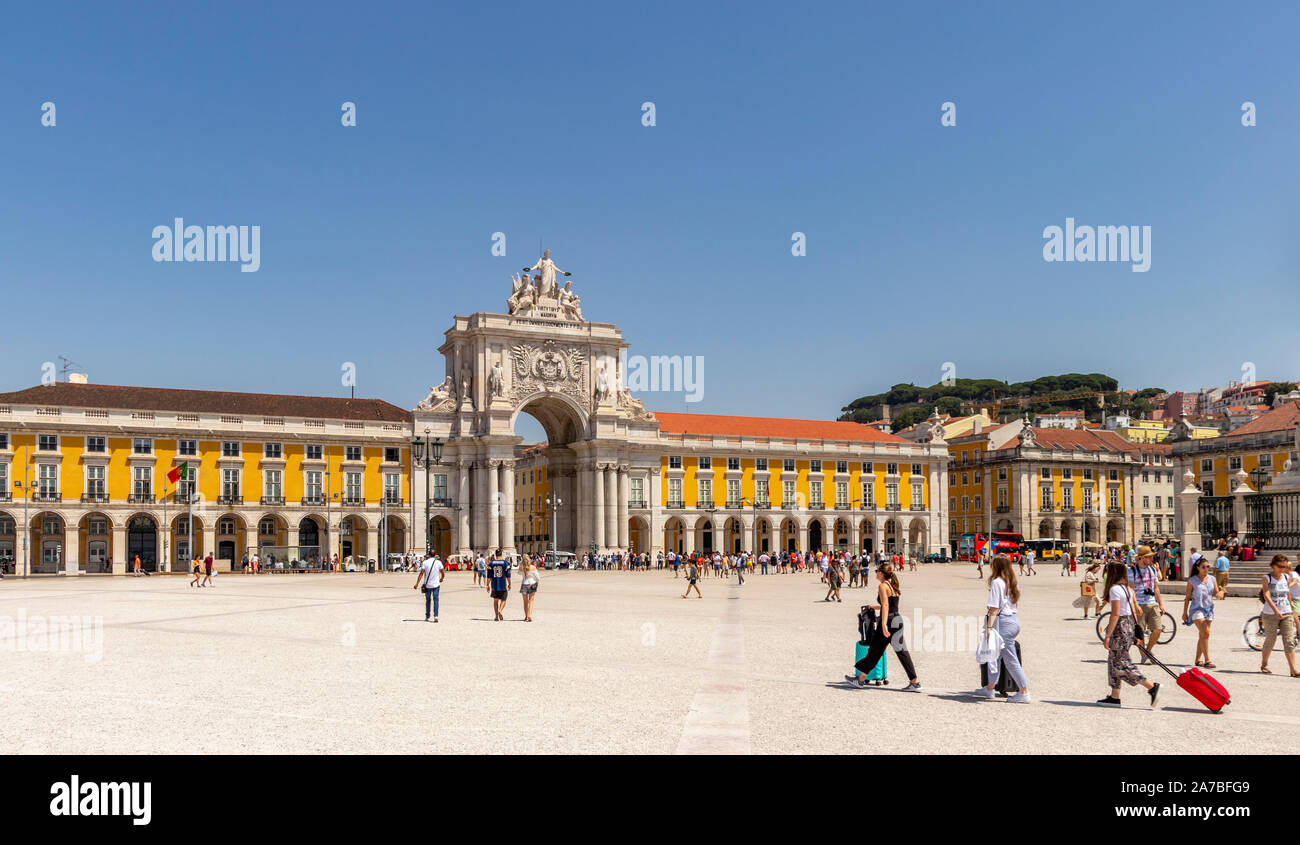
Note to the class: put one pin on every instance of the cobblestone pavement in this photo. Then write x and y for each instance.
(614, 663)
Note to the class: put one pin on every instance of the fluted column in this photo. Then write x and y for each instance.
(507, 506)
(624, 491)
(597, 477)
(493, 506)
(463, 546)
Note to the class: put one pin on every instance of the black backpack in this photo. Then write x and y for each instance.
(866, 624)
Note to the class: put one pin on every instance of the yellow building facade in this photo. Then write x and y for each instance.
(85, 472)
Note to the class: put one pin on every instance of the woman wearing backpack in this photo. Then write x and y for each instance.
(880, 640)
(1120, 633)
(1276, 615)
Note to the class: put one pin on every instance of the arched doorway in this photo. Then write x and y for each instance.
(789, 535)
(764, 536)
(95, 541)
(554, 421)
(310, 548)
(8, 543)
(815, 536)
(142, 540)
(440, 536)
(1114, 531)
(638, 535)
(352, 539)
(675, 535)
(180, 547)
(916, 538)
(867, 536)
(734, 533)
(842, 539)
(394, 532)
(891, 536)
(230, 540)
(49, 545)
(704, 535)
(1045, 529)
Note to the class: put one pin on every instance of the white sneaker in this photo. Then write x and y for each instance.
(1020, 698)
(983, 692)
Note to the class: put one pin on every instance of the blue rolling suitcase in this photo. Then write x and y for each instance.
(866, 630)
(879, 675)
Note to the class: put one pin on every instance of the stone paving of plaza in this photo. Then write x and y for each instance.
(615, 662)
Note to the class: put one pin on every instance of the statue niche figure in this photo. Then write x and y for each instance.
(497, 379)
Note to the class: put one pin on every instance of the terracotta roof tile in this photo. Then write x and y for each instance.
(1077, 440)
(118, 397)
(1282, 418)
(673, 423)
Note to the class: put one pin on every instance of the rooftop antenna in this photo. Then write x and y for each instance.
(68, 364)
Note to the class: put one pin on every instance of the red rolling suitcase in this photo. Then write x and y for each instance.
(1198, 683)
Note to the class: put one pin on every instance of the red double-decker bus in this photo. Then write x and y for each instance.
(1008, 543)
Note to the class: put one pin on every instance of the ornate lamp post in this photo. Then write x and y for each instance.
(1260, 476)
(427, 453)
(553, 502)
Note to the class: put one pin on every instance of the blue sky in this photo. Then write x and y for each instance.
(924, 242)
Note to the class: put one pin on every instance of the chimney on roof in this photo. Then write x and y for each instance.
(978, 425)
(78, 378)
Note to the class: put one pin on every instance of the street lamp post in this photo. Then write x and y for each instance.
(427, 452)
(553, 502)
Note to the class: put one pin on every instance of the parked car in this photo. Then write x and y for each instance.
(937, 557)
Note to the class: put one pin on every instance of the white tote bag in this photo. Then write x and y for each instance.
(989, 647)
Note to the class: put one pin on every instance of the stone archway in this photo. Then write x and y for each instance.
(675, 535)
(95, 542)
(543, 359)
(638, 533)
(816, 540)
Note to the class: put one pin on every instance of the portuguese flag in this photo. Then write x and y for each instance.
(182, 471)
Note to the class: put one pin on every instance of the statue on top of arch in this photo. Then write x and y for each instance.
(540, 295)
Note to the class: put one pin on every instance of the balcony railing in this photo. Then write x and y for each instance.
(440, 502)
(98, 498)
(6, 496)
(393, 500)
(1114, 510)
(1004, 509)
(677, 504)
(735, 505)
(1048, 508)
(816, 504)
(1067, 508)
(354, 501)
(921, 508)
(230, 499)
(140, 498)
(763, 504)
(894, 507)
(313, 500)
(272, 500)
(636, 503)
(843, 506)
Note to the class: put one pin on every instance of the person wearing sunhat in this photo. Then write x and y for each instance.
(1144, 576)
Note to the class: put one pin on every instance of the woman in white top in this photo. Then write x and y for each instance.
(528, 589)
(1198, 607)
(1004, 596)
(1119, 637)
(1277, 616)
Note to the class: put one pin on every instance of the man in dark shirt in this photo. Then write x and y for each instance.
(498, 583)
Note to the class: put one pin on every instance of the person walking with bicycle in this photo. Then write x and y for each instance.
(1277, 616)
(1198, 608)
(1144, 577)
(1121, 631)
